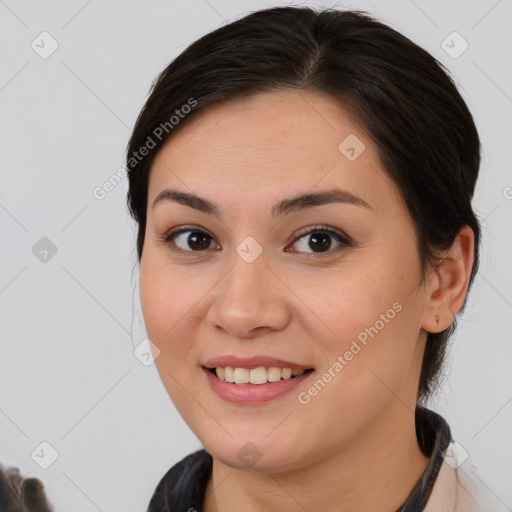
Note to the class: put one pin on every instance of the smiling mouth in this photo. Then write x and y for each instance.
(261, 375)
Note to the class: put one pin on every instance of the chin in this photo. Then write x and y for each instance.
(255, 453)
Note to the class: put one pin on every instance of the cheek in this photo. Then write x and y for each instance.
(166, 308)
(165, 296)
(368, 359)
(373, 318)
(166, 305)
(354, 297)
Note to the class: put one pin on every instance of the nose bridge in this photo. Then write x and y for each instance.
(248, 298)
(243, 284)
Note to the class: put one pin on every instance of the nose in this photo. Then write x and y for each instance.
(250, 300)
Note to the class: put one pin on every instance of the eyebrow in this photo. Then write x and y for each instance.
(284, 207)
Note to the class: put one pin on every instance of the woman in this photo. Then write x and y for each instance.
(302, 184)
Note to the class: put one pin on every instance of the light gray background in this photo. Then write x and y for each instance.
(68, 375)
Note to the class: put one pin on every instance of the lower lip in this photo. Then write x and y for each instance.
(250, 393)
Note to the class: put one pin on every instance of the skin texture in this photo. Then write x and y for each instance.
(354, 444)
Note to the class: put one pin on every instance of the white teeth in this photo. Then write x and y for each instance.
(228, 374)
(286, 373)
(241, 376)
(274, 374)
(259, 375)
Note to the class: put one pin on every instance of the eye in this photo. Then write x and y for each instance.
(186, 238)
(320, 237)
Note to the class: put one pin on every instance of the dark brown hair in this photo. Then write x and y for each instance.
(400, 94)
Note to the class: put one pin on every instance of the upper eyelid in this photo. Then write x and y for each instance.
(319, 228)
(302, 231)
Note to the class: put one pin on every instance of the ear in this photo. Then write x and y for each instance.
(448, 285)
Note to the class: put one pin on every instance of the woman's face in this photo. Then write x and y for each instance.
(251, 279)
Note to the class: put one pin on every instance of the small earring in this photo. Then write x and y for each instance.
(437, 319)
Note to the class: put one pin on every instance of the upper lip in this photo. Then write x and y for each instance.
(253, 362)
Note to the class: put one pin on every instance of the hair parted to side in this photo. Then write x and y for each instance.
(399, 93)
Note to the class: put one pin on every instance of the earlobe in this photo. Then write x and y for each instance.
(448, 285)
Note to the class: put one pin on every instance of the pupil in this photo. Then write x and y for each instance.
(324, 238)
(196, 235)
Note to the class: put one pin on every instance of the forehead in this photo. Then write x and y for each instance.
(288, 139)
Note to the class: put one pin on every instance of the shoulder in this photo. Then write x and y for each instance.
(458, 489)
(182, 487)
(473, 492)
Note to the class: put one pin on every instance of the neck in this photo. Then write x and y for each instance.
(375, 472)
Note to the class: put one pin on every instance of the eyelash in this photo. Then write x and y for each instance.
(343, 239)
